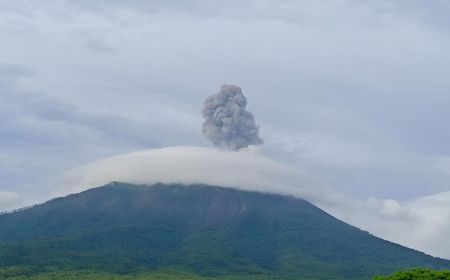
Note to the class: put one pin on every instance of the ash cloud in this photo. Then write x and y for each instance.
(228, 124)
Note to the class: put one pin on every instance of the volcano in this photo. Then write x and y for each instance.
(206, 230)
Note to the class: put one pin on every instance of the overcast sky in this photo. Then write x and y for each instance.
(355, 93)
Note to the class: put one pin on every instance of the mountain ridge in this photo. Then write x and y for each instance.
(210, 230)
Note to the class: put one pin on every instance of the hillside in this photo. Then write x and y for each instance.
(205, 230)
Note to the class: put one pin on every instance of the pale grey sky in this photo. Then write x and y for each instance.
(354, 92)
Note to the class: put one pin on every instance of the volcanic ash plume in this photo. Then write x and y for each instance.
(227, 124)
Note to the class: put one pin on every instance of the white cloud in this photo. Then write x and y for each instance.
(350, 81)
(422, 224)
(9, 200)
(355, 91)
(246, 169)
(43, 135)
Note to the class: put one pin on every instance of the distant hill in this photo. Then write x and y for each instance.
(206, 230)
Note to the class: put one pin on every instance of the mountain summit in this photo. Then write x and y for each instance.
(208, 230)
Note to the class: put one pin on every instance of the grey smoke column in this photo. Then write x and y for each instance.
(227, 124)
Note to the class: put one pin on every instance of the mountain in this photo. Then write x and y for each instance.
(206, 230)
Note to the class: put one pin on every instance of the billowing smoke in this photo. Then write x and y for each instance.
(227, 124)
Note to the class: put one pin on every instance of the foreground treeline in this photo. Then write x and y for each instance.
(417, 274)
(21, 273)
(18, 273)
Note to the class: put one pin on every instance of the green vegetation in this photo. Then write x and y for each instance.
(17, 273)
(417, 274)
(210, 232)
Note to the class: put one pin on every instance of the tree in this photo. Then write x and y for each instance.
(417, 274)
